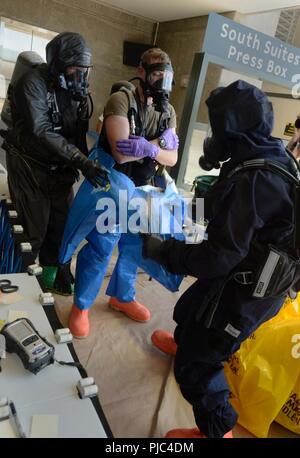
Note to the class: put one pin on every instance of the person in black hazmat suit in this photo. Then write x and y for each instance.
(46, 147)
(246, 212)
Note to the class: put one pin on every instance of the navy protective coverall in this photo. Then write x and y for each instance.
(251, 206)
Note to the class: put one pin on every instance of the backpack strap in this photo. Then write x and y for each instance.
(278, 169)
(56, 116)
(136, 124)
(134, 116)
(163, 123)
(262, 164)
(133, 109)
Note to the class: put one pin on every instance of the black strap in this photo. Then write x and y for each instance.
(278, 169)
(244, 278)
(55, 114)
(262, 164)
(163, 123)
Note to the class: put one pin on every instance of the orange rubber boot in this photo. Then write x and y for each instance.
(79, 324)
(133, 309)
(192, 433)
(164, 341)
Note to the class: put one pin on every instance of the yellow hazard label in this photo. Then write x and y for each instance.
(289, 129)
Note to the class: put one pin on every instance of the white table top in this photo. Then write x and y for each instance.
(53, 390)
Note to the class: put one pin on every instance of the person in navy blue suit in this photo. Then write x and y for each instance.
(246, 211)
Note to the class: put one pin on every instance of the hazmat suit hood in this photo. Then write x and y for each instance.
(65, 50)
(242, 120)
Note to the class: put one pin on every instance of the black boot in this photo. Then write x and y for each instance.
(64, 281)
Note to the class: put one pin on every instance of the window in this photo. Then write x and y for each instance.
(16, 37)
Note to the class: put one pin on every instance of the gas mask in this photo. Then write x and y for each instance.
(213, 153)
(158, 84)
(76, 83)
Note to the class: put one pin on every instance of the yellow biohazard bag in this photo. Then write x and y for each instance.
(264, 375)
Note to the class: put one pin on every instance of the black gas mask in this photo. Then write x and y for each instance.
(76, 83)
(158, 84)
(213, 154)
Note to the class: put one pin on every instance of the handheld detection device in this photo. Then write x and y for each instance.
(23, 339)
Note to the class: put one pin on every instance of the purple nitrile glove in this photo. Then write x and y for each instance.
(170, 138)
(138, 147)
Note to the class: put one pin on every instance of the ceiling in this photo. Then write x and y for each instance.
(168, 10)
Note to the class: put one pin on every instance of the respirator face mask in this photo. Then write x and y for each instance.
(158, 84)
(76, 82)
(211, 153)
(214, 152)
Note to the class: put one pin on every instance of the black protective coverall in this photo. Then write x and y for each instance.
(40, 174)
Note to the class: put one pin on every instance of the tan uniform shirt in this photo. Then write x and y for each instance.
(118, 105)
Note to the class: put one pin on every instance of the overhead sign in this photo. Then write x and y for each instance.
(253, 51)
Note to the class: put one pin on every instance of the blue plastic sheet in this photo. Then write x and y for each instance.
(83, 213)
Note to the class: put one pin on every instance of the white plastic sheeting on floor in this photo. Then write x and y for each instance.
(137, 389)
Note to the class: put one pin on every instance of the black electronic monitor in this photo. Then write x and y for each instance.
(132, 52)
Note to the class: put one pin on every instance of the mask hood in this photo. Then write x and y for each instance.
(242, 120)
(66, 50)
(240, 110)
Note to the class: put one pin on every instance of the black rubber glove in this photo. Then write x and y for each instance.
(90, 170)
(153, 248)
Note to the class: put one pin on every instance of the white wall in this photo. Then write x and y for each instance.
(262, 22)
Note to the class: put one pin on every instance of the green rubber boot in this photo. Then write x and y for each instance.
(58, 279)
(48, 277)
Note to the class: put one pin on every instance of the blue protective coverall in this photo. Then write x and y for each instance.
(252, 205)
(94, 257)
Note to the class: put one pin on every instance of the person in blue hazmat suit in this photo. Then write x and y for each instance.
(46, 147)
(137, 156)
(247, 211)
